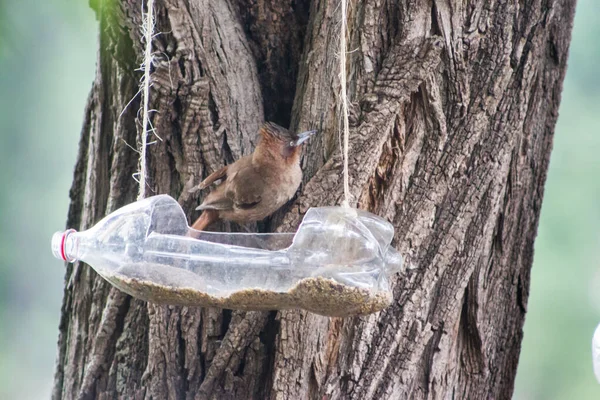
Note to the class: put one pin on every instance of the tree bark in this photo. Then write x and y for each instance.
(453, 108)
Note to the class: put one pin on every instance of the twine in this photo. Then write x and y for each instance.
(148, 32)
(344, 100)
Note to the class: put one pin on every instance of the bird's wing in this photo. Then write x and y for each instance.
(242, 190)
(220, 204)
(217, 200)
(212, 178)
(245, 188)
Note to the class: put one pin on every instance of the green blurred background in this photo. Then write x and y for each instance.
(47, 62)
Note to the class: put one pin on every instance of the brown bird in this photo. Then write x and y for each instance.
(257, 185)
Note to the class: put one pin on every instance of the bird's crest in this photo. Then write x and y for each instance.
(270, 130)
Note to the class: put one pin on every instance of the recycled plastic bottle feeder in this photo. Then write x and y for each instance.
(338, 263)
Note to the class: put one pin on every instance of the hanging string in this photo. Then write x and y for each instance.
(148, 33)
(344, 100)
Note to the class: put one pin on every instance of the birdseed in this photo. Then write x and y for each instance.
(319, 295)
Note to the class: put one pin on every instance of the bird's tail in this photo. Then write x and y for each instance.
(207, 218)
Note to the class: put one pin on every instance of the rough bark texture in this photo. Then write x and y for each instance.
(453, 106)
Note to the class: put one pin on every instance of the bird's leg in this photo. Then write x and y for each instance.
(248, 228)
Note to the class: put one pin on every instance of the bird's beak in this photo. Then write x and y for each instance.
(302, 137)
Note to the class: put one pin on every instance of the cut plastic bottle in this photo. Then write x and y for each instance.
(596, 353)
(338, 263)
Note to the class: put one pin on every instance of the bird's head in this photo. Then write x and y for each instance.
(284, 141)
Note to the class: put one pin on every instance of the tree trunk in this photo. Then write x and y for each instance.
(453, 108)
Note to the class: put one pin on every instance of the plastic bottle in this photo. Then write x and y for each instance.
(338, 263)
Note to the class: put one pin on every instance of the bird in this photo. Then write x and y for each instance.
(257, 185)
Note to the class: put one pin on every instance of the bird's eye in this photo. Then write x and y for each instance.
(292, 143)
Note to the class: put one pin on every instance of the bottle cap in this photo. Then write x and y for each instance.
(59, 241)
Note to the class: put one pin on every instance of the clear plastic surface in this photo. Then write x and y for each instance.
(338, 263)
(596, 353)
